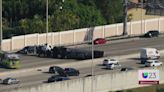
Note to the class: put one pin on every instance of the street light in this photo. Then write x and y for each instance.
(0, 24)
(47, 21)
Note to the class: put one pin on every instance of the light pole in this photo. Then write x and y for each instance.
(141, 16)
(62, 14)
(47, 21)
(0, 24)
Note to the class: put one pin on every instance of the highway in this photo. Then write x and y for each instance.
(42, 77)
(110, 49)
(128, 47)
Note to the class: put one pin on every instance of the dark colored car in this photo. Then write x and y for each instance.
(71, 72)
(152, 33)
(57, 70)
(10, 81)
(100, 41)
(56, 78)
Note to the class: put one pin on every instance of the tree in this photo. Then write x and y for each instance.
(112, 10)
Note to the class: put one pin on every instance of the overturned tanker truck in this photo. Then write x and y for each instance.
(74, 53)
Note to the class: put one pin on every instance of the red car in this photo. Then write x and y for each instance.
(100, 41)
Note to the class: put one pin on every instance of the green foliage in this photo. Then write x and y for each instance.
(29, 16)
(160, 90)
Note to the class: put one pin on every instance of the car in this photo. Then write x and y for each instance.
(152, 33)
(109, 61)
(126, 69)
(113, 66)
(100, 41)
(10, 81)
(150, 63)
(57, 71)
(56, 78)
(72, 71)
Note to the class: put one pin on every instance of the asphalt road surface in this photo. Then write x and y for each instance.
(42, 77)
(110, 49)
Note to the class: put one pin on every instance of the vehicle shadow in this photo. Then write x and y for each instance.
(106, 68)
(134, 59)
(47, 72)
(142, 66)
(45, 81)
(3, 67)
(99, 65)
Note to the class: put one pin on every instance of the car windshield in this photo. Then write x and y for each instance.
(106, 60)
(111, 64)
(112, 60)
(67, 69)
(156, 61)
(149, 62)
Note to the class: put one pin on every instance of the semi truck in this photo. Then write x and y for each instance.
(75, 53)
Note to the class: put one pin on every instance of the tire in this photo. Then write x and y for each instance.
(77, 74)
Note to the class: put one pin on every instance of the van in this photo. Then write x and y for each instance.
(149, 53)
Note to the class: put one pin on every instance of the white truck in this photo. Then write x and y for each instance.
(149, 53)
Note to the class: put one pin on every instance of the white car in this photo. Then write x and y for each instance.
(113, 66)
(150, 63)
(109, 61)
(10, 80)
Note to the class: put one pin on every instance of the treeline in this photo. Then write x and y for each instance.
(29, 16)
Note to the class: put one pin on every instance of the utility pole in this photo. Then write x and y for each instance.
(125, 5)
(0, 24)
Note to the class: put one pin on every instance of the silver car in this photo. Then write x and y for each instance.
(10, 81)
(113, 66)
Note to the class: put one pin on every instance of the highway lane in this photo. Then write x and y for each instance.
(128, 47)
(113, 49)
(42, 77)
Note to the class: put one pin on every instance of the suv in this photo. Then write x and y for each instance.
(152, 33)
(150, 63)
(57, 70)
